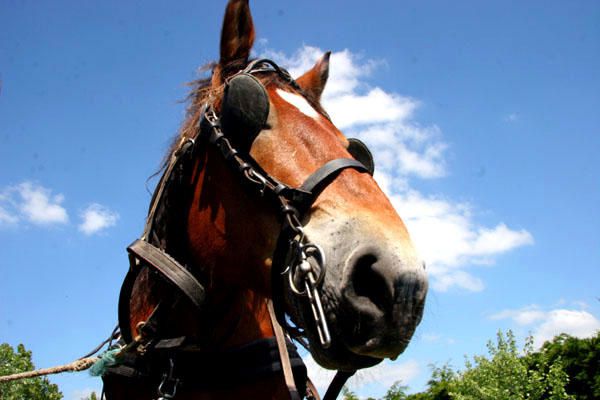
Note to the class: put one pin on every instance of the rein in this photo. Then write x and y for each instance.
(295, 258)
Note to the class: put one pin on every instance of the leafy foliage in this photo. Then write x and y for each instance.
(580, 359)
(347, 394)
(563, 369)
(396, 392)
(12, 362)
(505, 375)
(438, 385)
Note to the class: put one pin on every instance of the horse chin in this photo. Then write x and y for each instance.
(341, 353)
(339, 357)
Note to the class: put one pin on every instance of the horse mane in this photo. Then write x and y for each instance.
(203, 89)
(169, 227)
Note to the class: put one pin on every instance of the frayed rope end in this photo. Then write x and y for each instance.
(106, 360)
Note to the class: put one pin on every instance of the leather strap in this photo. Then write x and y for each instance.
(283, 354)
(336, 385)
(312, 390)
(327, 171)
(319, 179)
(124, 303)
(184, 148)
(177, 274)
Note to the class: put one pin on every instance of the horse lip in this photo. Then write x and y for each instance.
(376, 345)
(376, 348)
(387, 338)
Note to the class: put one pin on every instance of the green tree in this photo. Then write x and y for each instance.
(347, 394)
(506, 375)
(565, 368)
(396, 392)
(12, 362)
(92, 396)
(580, 359)
(438, 384)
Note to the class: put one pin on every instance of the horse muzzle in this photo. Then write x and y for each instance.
(381, 302)
(373, 294)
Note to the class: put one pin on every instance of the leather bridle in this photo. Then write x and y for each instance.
(299, 265)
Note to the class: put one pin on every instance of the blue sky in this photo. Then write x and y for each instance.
(491, 111)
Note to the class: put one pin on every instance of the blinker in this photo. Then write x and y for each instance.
(361, 152)
(245, 108)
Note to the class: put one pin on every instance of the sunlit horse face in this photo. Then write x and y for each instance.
(375, 285)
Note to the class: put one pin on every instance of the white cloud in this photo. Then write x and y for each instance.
(344, 78)
(383, 119)
(6, 218)
(525, 316)
(29, 202)
(40, 207)
(33, 203)
(458, 278)
(445, 232)
(576, 323)
(432, 337)
(404, 148)
(384, 374)
(449, 240)
(376, 107)
(96, 218)
(545, 325)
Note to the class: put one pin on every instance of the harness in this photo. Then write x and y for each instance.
(299, 265)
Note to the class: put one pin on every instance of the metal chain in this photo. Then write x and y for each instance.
(306, 266)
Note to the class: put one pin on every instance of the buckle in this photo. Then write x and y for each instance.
(168, 386)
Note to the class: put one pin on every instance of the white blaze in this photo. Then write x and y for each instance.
(299, 102)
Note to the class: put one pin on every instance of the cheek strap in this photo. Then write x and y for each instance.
(321, 177)
(303, 197)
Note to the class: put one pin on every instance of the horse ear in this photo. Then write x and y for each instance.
(313, 81)
(237, 36)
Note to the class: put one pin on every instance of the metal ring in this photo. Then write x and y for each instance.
(293, 286)
(320, 275)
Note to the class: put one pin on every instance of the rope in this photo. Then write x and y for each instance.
(77, 365)
(80, 364)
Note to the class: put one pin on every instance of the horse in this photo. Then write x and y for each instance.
(267, 225)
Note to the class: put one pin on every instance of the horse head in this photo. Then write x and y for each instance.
(264, 201)
(372, 285)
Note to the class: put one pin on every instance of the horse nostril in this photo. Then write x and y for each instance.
(382, 298)
(369, 284)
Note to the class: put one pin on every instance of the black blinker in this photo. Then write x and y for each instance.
(361, 152)
(245, 108)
